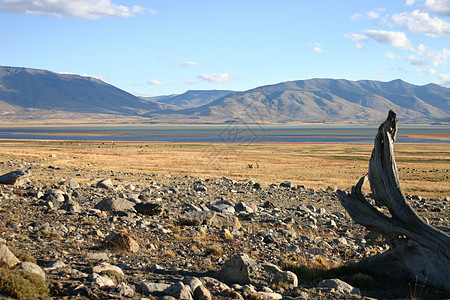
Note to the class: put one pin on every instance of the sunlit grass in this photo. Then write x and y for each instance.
(423, 168)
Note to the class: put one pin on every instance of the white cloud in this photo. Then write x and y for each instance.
(421, 22)
(155, 82)
(441, 7)
(373, 15)
(190, 81)
(439, 59)
(356, 16)
(216, 78)
(391, 55)
(189, 64)
(409, 2)
(444, 80)
(84, 9)
(417, 61)
(317, 47)
(359, 39)
(432, 71)
(394, 38)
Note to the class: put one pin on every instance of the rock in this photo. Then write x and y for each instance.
(332, 188)
(99, 256)
(221, 220)
(287, 184)
(56, 196)
(244, 208)
(225, 207)
(339, 286)
(213, 284)
(56, 264)
(15, 177)
(106, 267)
(32, 268)
(71, 206)
(153, 287)
(192, 282)
(105, 184)
(259, 185)
(72, 184)
(268, 296)
(243, 269)
(200, 188)
(148, 209)
(229, 293)
(101, 281)
(122, 242)
(202, 293)
(7, 258)
(114, 204)
(179, 291)
(130, 187)
(125, 290)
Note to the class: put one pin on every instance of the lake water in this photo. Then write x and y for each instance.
(225, 134)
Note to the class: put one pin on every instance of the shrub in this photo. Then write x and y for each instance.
(21, 284)
(362, 280)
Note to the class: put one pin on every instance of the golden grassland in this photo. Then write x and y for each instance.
(424, 169)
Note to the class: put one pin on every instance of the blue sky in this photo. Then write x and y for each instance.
(171, 46)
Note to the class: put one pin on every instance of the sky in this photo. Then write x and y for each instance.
(161, 47)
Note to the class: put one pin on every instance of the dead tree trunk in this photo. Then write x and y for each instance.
(417, 250)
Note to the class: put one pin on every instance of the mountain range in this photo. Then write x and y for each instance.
(32, 94)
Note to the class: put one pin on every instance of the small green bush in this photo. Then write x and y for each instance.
(362, 280)
(21, 284)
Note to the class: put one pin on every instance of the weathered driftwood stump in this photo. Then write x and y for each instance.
(417, 251)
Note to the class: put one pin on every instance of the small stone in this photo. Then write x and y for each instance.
(32, 268)
(106, 267)
(7, 258)
(202, 293)
(125, 290)
(153, 287)
(101, 281)
(122, 242)
(179, 291)
(114, 204)
(339, 286)
(105, 184)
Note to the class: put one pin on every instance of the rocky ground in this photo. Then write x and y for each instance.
(105, 235)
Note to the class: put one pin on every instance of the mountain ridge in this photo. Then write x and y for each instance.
(29, 93)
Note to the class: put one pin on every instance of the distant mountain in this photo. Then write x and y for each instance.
(27, 94)
(328, 100)
(192, 99)
(31, 89)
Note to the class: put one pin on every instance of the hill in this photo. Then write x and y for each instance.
(31, 94)
(34, 93)
(328, 100)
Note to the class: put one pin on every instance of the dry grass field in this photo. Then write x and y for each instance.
(424, 168)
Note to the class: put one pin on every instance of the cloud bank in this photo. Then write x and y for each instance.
(83, 9)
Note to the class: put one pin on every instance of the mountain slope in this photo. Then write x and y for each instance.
(193, 98)
(30, 94)
(328, 100)
(22, 88)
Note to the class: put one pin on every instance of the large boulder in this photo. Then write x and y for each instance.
(114, 204)
(15, 177)
(243, 270)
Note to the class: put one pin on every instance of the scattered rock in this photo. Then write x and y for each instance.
(339, 286)
(105, 184)
(122, 242)
(7, 258)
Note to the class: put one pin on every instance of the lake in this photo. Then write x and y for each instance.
(231, 133)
